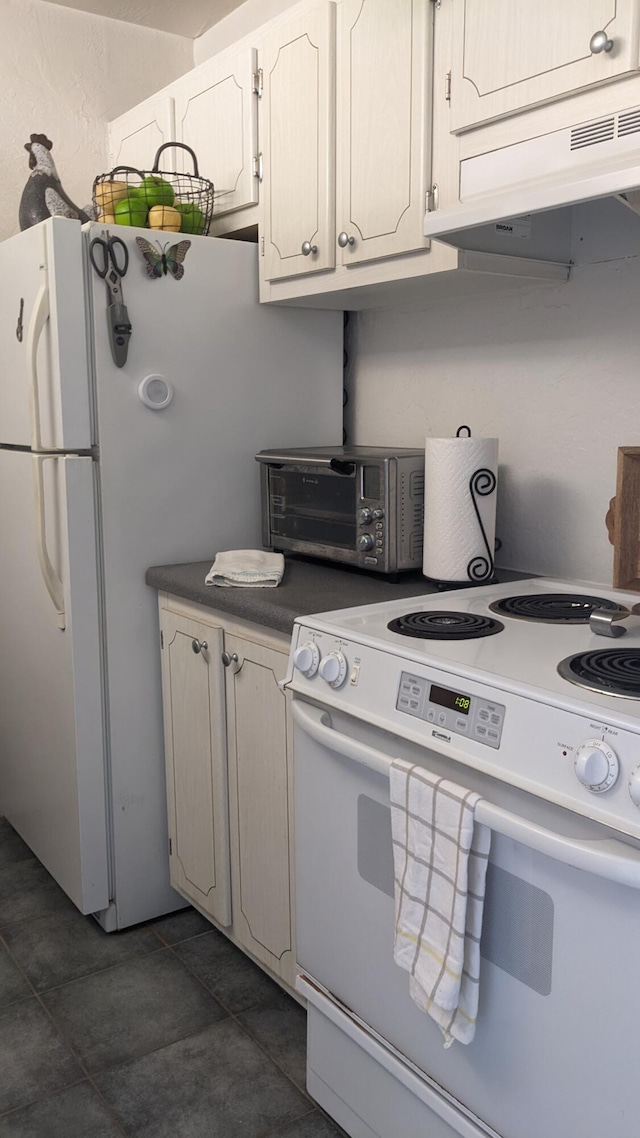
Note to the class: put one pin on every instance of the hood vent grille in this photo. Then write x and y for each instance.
(592, 133)
(628, 122)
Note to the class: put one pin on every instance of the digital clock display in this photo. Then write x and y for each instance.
(456, 700)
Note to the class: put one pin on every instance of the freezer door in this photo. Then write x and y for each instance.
(44, 394)
(52, 771)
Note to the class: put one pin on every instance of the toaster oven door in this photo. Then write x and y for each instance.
(312, 509)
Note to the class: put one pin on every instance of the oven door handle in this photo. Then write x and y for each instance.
(603, 857)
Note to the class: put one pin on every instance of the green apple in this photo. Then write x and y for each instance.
(156, 191)
(192, 218)
(131, 211)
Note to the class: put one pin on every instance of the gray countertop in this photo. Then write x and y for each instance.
(307, 587)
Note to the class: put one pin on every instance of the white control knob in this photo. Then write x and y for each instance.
(333, 669)
(634, 786)
(306, 658)
(596, 765)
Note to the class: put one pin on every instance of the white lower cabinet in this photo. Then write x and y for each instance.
(229, 776)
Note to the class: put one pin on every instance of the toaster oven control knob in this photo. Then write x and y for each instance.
(596, 765)
(306, 659)
(333, 669)
(364, 516)
(365, 542)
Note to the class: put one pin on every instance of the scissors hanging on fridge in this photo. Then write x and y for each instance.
(110, 259)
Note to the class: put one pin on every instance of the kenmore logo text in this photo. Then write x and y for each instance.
(439, 735)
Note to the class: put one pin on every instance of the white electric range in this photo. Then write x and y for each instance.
(508, 690)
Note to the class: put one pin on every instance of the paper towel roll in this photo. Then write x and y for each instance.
(460, 480)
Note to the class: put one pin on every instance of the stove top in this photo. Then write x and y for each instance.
(522, 655)
(519, 704)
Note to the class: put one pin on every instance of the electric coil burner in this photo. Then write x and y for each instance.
(613, 671)
(445, 625)
(553, 608)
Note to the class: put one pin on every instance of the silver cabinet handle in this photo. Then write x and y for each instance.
(600, 42)
(344, 240)
(307, 248)
(199, 646)
(227, 659)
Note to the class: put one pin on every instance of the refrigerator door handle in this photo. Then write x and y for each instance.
(51, 579)
(39, 317)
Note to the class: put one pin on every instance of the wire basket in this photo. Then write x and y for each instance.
(155, 199)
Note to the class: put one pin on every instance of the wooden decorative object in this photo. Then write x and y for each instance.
(623, 521)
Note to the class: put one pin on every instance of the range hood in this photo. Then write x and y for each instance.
(591, 160)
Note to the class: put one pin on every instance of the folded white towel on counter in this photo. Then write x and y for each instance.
(246, 569)
(440, 864)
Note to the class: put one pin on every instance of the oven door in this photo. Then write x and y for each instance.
(555, 1049)
(313, 508)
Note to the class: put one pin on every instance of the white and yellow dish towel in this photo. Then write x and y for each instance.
(246, 569)
(440, 864)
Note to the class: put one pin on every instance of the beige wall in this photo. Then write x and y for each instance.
(554, 372)
(65, 74)
(250, 15)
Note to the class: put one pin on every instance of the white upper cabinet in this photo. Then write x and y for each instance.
(216, 115)
(510, 55)
(298, 142)
(135, 136)
(380, 136)
(384, 65)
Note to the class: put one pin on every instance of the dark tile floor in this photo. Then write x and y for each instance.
(162, 1031)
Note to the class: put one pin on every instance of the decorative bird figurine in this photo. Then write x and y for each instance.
(43, 195)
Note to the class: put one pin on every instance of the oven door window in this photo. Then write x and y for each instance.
(313, 506)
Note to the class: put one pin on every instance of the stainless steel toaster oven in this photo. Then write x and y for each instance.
(361, 506)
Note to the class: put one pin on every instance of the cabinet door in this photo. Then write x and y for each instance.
(259, 740)
(297, 134)
(195, 751)
(135, 137)
(509, 55)
(384, 63)
(216, 115)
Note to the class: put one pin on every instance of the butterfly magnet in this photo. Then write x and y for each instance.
(167, 260)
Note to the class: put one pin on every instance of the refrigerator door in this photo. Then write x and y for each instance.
(179, 481)
(44, 394)
(52, 786)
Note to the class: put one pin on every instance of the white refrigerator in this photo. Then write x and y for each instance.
(104, 472)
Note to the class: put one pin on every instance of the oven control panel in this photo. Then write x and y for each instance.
(452, 710)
